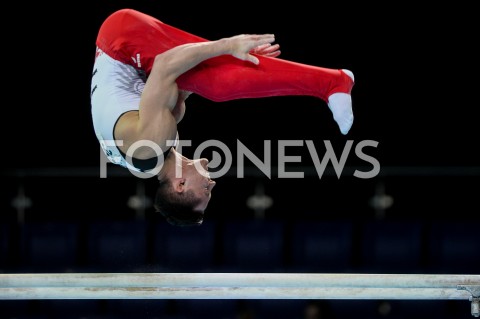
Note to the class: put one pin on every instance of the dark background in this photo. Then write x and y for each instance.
(415, 94)
(416, 70)
(415, 88)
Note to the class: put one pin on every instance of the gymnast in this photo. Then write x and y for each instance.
(145, 70)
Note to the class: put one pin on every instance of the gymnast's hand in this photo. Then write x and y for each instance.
(242, 46)
(267, 49)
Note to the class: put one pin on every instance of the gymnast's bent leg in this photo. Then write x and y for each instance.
(135, 38)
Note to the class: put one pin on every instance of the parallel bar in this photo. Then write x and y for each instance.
(179, 280)
(241, 286)
(232, 293)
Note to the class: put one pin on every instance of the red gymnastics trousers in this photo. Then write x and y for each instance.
(135, 38)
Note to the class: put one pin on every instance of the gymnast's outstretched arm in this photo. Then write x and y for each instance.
(156, 120)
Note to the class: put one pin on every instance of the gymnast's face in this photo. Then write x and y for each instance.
(197, 179)
(189, 176)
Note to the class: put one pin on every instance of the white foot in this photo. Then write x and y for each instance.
(341, 106)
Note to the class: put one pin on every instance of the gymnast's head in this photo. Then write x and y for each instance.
(184, 190)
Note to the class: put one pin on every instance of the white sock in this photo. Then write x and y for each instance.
(341, 106)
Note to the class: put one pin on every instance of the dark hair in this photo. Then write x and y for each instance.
(177, 208)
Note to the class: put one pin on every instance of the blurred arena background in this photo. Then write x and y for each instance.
(415, 95)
